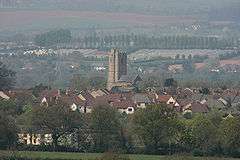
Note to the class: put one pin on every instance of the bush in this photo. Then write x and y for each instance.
(197, 153)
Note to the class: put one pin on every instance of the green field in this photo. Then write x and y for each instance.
(93, 156)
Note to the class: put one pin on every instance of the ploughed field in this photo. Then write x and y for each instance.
(31, 19)
(146, 54)
(93, 156)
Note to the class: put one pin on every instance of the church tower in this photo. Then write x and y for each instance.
(117, 67)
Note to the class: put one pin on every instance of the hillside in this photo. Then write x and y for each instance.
(160, 7)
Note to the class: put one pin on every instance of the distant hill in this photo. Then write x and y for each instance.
(213, 8)
(32, 15)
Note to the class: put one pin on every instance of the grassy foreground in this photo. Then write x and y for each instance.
(93, 156)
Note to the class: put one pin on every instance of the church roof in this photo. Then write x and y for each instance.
(130, 79)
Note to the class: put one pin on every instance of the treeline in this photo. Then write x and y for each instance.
(156, 129)
(63, 39)
(152, 42)
(230, 55)
(53, 37)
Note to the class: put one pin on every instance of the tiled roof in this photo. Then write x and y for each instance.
(198, 107)
(49, 93)
(123, 104)
(140, 98)
(163, 98)
(71, 99)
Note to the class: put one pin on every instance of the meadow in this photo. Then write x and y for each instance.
(94, 156)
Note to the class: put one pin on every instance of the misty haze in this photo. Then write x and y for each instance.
(119, 79)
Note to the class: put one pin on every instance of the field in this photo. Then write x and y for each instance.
(146, 54)
(93, 156)
(81, 19)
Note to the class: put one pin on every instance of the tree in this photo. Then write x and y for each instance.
(204, 91)
(183, 56)
(58, 119)
(105, 128)
(204, 134)
(170, 82)
(80, 83)
(9, 107)
(7, 78)
(177, 57)
(189, 57)
(36, 90)
(8, 131)
(229, 136)
(157, 126)
(53, 37)
(97, 82)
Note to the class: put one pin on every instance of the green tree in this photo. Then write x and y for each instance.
(36, 90)
(229, 136)
(8, 107)
(106, 128)
(170, 82)
(58, 119)
(204, 134)
(204, 91)
(97, 82)
(8, 131)
(7, 78)
(157, 126)
(79, 82)
(177, 57)
(53, 37)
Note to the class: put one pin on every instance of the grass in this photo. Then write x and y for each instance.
(93, 156)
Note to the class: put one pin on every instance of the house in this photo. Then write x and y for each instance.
(73, 101)
(99, 92)
(167, 99)
(88, 102)
(125, 106)
(196, 107)
(141, 100)
(185, 93)
(4, 96)
(49, 96)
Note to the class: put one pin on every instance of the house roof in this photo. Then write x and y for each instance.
(72, 99)
(123, 104)
(198, 107)
(184, 102)
(119, 96)
(140, 98)
(163, 98)
(130, 79)
(4, 96)
(49, 93)
(100, 92)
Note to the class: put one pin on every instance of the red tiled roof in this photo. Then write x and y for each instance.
(49, 93)
(198, 107)
(118, 97)
(163, 98)
(72, 99)
(123, 104)
(18, 93)
(184, 102)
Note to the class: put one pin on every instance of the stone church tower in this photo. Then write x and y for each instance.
(117, 67)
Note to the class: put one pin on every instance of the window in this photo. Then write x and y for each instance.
(130, 109)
